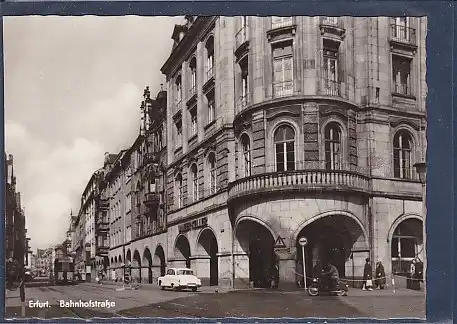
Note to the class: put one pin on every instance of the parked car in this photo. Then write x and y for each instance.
(179, 278)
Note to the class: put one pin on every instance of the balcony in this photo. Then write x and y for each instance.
(192, 95)
(332, 27)
(402, 36)
(280, 27)
(402, 89)
(281, 22)
(151, 199)
(242, 103)
(329, 21)
(302, 180)
(241, 42)
(177, 106)
(104, 204)
(102, 250)
(102, 227)
(209, 74)
(151, 158)
(330, 88)
(283, 89)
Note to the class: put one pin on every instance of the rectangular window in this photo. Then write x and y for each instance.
(401, 71)
(285, 156)
(211, 107)
(178, 127)
(244, 67)
(193, 124)
(282, 69)
(195, 188)
(280, 165)
(331, 81)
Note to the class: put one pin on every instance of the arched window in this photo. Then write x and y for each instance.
(333, 155)
(212, 173)
(284, 140)
(179, 191)
(209, 57)
(402, 155)
(194, 178)
(246, 150)
(193, 74)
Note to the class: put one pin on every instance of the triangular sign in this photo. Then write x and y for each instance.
(280, 242)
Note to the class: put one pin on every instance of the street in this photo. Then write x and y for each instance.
(150, 301)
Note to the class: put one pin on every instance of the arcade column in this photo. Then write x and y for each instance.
(287, 265)
(201, 267)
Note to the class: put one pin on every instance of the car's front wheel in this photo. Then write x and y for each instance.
(194, 289)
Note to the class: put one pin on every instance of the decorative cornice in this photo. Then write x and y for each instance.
(412, 123)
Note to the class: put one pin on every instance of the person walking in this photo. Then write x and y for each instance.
(367, 276)
(418, 274)
(380, 276)
(412, 271)
(275, 276)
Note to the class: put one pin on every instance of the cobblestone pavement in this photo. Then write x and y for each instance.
(150, 301)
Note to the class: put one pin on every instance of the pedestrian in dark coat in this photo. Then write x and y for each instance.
(367, 276)
(380, 276)
(317, 270)
(275, 276)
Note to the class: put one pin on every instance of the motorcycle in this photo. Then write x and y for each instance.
(318, 287)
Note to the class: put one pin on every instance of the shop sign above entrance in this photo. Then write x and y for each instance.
(198, 223)
(303, 241)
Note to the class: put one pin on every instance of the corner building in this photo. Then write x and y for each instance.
(289, 127)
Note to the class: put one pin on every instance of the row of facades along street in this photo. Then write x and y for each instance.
(268, 130)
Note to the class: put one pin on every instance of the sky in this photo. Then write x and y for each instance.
(73, 89)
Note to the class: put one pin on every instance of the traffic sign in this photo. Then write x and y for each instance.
(303, 241)
(280, 243)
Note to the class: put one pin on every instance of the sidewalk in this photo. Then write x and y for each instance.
(355, 292)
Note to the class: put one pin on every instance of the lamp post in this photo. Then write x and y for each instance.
(421, 169)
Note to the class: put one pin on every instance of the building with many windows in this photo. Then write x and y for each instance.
(135, 184)
(288, 127)
(16, 241)
(90, 243)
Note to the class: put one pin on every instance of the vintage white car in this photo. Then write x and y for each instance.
(179, 278)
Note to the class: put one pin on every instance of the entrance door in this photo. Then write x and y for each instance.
(261, 261)
(214, 271)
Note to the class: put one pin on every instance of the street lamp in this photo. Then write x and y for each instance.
(421, 169)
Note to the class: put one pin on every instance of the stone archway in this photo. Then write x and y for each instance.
(158, 260)
(337, 238)
(182, 250)
(208, 261)
(147, 264)
(128, 258)
(136, 266)
(257, 241)
(406, 244)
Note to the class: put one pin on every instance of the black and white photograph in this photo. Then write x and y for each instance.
(215, 166)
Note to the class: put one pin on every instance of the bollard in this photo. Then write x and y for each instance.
(393, 284)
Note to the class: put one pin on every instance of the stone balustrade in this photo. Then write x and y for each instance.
(308, 180)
